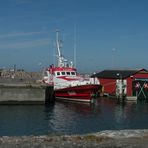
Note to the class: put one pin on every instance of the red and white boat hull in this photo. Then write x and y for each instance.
(82, 93)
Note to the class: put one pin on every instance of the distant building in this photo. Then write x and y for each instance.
(130, 82)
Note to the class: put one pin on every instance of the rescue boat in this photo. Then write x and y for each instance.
(68, 84)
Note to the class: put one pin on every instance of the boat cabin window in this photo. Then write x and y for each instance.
(68, 73)
(58, 73)
(73, 73)
(63, 73)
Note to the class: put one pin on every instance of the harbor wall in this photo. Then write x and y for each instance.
(22, 94)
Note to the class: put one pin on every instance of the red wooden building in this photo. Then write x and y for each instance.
(135, 81)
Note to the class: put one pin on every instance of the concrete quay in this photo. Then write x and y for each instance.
(21, 92)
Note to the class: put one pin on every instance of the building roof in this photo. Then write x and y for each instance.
(116, 74)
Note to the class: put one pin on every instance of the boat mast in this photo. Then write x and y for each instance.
(58, 44)
(59, 56)
(75, 46)
(62, 62)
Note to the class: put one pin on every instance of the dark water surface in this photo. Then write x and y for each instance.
(72, 118)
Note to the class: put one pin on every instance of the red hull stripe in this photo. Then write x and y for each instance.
(68, 79)
(77, 93)
(81, 87)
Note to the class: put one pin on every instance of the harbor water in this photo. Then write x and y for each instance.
(72, 118)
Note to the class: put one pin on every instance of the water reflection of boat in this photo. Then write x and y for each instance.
(81, 107)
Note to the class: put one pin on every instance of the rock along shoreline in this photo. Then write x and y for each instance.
(104, 139)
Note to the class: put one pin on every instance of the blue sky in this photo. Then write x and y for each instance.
(109, 33)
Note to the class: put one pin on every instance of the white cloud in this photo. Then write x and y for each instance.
(19, 34)
(113, 49)
(25, 44)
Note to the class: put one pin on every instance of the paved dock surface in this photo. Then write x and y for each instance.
(105, 139)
